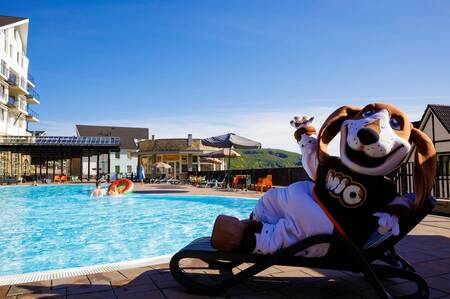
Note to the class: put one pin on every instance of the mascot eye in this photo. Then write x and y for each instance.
(368, 113)
(395, 123)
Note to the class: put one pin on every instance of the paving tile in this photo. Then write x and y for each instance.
(439, 283)
(70, 281)
(130, 288)
(87, 288)
(107, 276)
(31, 287)
(305, 292)
(180, 293)
(95, 295)
(409, 288)
(4, 290)
(54, 294)
(133, 273)
(142, 295)
(264, 295)
(433, 268)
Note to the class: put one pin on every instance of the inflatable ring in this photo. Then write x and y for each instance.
(124, 186)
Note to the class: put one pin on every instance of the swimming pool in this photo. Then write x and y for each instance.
(55, 227)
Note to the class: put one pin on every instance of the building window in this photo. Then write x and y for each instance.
(117, 169)
(2, 114)
(15, 34)
(2, 92)
(117, 155)
(129, 154)
(18, 57)
(129, 168)
(10, 51)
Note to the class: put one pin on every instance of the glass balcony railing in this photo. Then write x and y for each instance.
(32, 93)
(12, 79)
(33, 113)
(12, 101)
(31, 79)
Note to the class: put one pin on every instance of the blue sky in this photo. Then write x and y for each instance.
(209, 67)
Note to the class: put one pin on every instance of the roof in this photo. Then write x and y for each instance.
(416, 124)
(442, 112)
(126, 134)
(7, 20)
(61, 141)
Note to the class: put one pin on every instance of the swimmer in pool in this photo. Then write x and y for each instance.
(98, 191)
(113, 191)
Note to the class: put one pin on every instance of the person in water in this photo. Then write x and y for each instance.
(98, 191)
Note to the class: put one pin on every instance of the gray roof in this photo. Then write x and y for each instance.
(442, 112)
(126, 134)
(7, 20)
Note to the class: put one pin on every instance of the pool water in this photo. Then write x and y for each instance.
(55, 227)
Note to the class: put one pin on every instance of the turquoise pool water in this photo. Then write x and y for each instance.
(55, 227)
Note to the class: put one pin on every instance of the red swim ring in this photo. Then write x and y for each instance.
(124, 186)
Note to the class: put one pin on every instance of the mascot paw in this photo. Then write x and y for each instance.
(387, 222)
(301, 121)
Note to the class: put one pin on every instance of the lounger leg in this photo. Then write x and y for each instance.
(392, 258)
(221, 286)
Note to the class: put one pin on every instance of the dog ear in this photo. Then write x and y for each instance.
(424, 166)
(331, 128)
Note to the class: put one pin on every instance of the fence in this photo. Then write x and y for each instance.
(403, 177)
(405, 182)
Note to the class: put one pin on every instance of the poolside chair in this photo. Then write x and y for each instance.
(57, 179)
(264, 184)
(347, 257)
(63, 179)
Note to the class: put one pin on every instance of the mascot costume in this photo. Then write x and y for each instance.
(350, 194)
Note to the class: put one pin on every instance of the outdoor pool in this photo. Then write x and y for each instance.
(55, 227)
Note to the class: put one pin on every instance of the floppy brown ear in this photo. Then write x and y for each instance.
(331, 128)
(424, 166)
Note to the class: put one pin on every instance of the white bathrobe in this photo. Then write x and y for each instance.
(288, 216)
(291, 214)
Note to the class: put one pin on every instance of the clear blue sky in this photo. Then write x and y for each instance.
(182, 67)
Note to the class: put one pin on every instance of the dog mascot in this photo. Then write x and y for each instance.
(349, 194)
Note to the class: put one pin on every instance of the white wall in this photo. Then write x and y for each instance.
(123, 162)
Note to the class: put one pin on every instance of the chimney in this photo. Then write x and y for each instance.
(189, 140)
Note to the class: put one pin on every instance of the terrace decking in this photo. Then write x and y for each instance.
(427, 247)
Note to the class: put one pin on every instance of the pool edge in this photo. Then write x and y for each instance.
(77, 271)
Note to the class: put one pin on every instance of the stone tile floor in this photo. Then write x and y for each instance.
(427, 247)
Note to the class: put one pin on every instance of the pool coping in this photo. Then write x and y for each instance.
(77, 271)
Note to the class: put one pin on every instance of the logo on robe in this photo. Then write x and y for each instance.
(350, 194)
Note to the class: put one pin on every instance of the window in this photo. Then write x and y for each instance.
(2, 92)
(15, 34)
(129, 155)
(117, 154)
(129, 168)
(18, 57)
(2, 114)
(117, 169)
(10, 51)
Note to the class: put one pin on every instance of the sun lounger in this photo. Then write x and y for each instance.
(347, 257)
(173, 181)
(57, 179)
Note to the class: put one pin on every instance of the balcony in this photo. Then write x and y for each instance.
(17, 83)
(17, 104)
(13, 80)
(31, 80)
(33, 97)
(32, 116)
(4, 71)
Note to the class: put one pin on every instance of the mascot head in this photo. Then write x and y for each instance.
(376, 139)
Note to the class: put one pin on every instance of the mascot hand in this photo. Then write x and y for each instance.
(387, 222)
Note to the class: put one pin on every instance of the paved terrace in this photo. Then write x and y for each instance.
(427, 247)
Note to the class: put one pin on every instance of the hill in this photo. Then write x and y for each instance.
(265, 158)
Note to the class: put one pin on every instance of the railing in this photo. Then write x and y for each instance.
(4, 69)
(12, 101)
(12, 79)
(31, 79)
(32, 93)
(33, 113)
(404, 179)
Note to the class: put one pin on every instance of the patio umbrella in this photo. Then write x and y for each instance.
(230, 141)
(211, 160)
(161, 165)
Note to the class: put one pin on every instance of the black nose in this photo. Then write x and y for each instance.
(367, 136)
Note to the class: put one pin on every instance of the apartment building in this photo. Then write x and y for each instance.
(17, 90)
